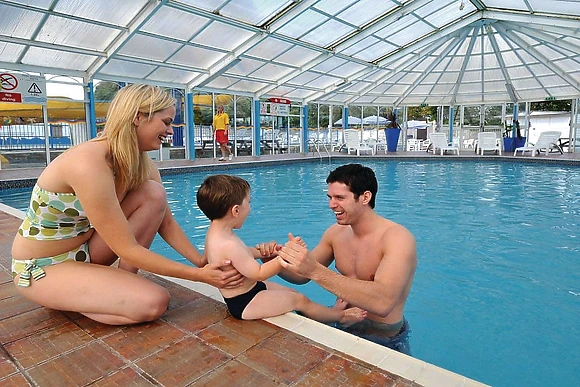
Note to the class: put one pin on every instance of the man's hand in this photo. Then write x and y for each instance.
(222, 275)
(296, 258)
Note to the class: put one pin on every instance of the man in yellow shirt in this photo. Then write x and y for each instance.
(221, 127)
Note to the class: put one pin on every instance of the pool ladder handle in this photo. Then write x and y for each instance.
(317, 144)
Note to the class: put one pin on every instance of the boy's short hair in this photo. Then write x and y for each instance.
(219, 193)
(357, 178)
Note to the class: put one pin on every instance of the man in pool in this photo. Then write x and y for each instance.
(375, 258)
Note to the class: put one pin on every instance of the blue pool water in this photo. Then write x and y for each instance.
(496, 295)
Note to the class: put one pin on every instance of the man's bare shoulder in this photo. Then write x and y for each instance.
(397, 239)
(396, 230)
(336, 232)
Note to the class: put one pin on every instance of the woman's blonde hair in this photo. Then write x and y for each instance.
(131, 166)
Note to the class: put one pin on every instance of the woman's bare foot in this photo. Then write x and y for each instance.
(352, 316)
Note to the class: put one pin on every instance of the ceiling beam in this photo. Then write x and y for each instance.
(294, 73)
(457, 40)
(428, 39)
(41, 69)
(379, 23)
(50, 12)
(561, 20)
(124, 36)
(543, 37)
(508, 82)
(455, 89)
(540, 57)
(51, 46)
(226, 62)
(409, 61)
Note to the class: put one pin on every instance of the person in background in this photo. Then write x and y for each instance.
(221, 128)
(225, 200)
(101, 201)
(375, 258)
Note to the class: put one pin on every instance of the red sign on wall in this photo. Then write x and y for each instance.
(10, 97)
(284, 101)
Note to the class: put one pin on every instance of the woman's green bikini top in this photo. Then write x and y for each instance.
(53, 216)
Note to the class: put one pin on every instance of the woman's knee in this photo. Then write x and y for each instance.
(153, 192)
(154, 305)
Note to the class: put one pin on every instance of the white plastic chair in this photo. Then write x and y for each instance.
(487, 141)
(412, 144)
(546, 141)
(439, 141)
(351, 136)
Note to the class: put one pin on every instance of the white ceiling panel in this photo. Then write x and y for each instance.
(387, 51)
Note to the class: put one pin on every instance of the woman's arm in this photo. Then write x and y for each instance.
(92, 180)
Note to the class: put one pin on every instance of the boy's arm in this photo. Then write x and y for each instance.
(247, 265)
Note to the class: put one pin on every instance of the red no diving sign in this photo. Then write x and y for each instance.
(22, 88)
(8, 82)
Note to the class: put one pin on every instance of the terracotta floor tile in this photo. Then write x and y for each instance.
(338, 371)
(96, 329)
(49, 343)
(197, 315)
(26, 324)
(234, 373)
(7, 289)
(15, 305)
(235, 336)
(5, 277)
(126, 377)
(284, 357)
(7, 366)
(182, 363)
(138, 341)
(16, 380)
(80, 367)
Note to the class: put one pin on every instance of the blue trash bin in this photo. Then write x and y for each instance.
(178, 136)
(392, 136)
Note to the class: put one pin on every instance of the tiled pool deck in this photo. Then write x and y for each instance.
(195, 342)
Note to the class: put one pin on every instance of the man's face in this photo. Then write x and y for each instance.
(342, 202)
(220, 109)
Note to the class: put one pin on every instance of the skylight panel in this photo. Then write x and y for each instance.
(127, 69)
(175, 23)
(108, 11)
(56, 59)
(327, 33)
(253, 12)
(222, 35)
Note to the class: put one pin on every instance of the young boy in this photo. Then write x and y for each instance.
(225, 200)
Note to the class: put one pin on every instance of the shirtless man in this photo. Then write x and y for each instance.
(375, 258)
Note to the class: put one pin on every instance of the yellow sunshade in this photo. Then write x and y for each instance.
(74, 110)
(56, 110)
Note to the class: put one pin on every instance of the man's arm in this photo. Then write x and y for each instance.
(322, 255)
(378, 296)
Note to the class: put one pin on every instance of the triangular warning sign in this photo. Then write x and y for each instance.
(34, 89)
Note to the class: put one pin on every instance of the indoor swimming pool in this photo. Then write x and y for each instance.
(497, 292)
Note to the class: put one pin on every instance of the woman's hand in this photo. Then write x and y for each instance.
(222, 275)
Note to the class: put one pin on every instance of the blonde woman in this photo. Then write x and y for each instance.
(100, 201)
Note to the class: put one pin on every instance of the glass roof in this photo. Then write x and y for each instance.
(383, 52)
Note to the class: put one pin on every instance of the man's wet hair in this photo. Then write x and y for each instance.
(357, 178)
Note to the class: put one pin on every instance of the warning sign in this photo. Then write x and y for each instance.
(34, 89)
(8, 82)
(22, 88)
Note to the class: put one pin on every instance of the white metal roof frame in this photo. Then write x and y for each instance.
(358, 52)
